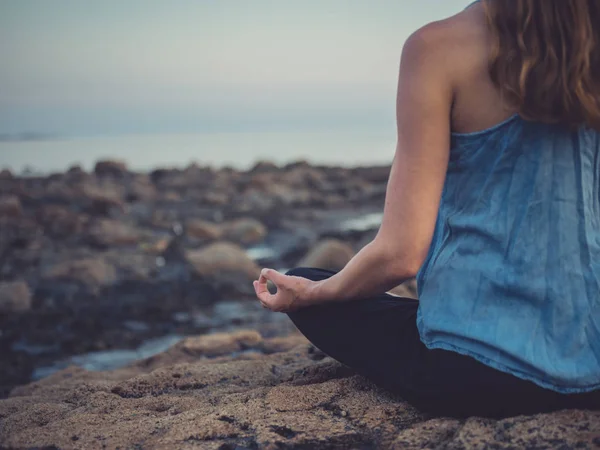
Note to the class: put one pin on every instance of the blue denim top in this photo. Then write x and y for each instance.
(512, 277)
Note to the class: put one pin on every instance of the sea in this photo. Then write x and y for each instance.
(239, 150)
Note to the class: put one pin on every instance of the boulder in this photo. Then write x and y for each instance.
(91, 272)
(111, 233)
(10, 206)
(244, 231)
(220, 258)
(330, 254)
(14, 297)
(113, 168)
(202, 229)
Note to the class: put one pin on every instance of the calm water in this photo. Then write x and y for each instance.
(239, 150)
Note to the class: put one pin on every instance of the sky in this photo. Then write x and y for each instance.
(110, 67)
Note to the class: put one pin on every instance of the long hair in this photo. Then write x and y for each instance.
(545, 58)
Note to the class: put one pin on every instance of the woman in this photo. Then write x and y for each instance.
(493, 202)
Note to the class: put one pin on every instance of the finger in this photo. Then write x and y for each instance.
(273, 275)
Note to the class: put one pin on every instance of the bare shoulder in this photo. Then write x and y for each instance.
(457, 43)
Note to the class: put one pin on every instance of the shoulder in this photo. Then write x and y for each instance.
(453, 43)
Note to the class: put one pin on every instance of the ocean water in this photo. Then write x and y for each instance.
(239, 150)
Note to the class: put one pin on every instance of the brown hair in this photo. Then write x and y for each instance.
(546, 58)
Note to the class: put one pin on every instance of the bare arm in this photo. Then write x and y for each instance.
(425, 93)
(424, 102)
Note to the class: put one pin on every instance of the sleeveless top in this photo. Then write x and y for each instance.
(512, 277)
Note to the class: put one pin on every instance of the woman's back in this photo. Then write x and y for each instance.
(512, 277)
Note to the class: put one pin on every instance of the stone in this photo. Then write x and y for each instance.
(60, 222)
(111, 233)
(93, 272)
(264, 166)
(222, 257)
(202, 229)
(221, 343)
(244, 231)
(141, 189)
(330, 254)
(10, 206)
(101, 199)
(281, 400)
(15, 296)
(111, 168)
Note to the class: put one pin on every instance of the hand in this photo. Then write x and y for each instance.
(291, 293)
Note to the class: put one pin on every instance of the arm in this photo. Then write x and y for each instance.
(424, 100)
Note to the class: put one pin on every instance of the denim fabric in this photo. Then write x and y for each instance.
(512, 277)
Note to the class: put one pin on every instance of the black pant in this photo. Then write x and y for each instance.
(378, 338)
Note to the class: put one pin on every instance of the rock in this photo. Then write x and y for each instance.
(328, 254)
(111, 233)
(250, 400)
(220, 258)
(92, 272)
(14, 297)
(110, 168)
(77, 174)
(141, 189)
(215, 198)
(101, 199)
(302, 177)
(10, 206)
(220, 343)
(264, 166)
(60, 222)
(244, 231)
(202, 229)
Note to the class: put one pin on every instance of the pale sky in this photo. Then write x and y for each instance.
(83, 67)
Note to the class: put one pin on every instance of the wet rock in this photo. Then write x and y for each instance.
(221, 258)
(328, 254)
(14, 297)
(110, 233)
(244, 231)
(110, 168)
(91, 272)
(10, 206)
(202, 229)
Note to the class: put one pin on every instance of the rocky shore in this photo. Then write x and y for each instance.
(128, 320)
(110, 259)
